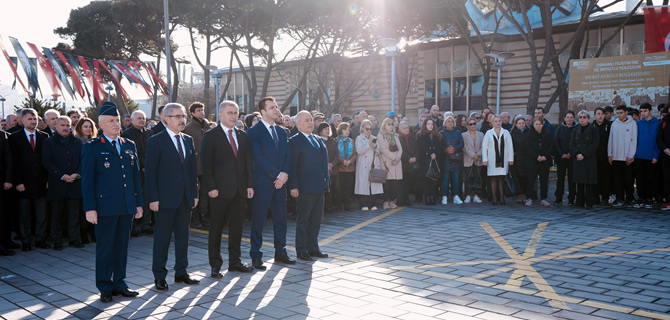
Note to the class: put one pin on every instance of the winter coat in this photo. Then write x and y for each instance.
(519, 139)
(366, 155)
(472, 147)
(352, 166)
(562, 139)
(197, 129)
(427, 146)
(539, 144)
(603, 135)
(584, 141)
(646, 142)
(410, 149)
(489, 151)
(453, 138)
(622, 140)
(387, 157)
(663, 137)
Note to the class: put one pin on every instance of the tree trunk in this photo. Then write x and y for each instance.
(155, 96)
(175, 77)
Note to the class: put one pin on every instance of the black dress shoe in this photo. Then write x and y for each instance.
(258, 264)
(126, 293)
(241, 267)
(148, 231)
(161, 285)
(216, 273)
(106, 296)
(284, 258)
(6, 252)
(135, 234)
(26, 247)
(304, 256)
(318, 254)
(58, 246)
(42, 244)
(185, 279)
(76, 244)
(11, 245)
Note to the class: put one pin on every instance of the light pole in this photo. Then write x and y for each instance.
(166, 22)
(2, 99)
(216, 74)
(391, 51)
(109, 89)
(500, 63)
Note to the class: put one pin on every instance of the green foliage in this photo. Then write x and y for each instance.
(40, 106)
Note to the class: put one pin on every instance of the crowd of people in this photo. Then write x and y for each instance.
(62, 180)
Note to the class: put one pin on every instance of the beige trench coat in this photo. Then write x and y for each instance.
(364, 165)
(395, 172)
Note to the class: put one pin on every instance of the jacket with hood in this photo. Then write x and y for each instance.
(622, 140)
(646, 139)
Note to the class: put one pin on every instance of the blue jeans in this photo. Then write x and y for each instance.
(455, 186)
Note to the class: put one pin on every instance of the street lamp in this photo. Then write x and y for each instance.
(391, 51)
(2, 99)
(109, 89)
(216, 74)
(500, 63)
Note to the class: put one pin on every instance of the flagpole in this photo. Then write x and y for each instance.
(166, 17)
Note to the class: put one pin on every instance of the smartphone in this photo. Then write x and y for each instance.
(374, 140)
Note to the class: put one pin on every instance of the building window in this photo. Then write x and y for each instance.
(430, 88)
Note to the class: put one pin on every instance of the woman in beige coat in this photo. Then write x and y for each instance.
(366, 148)
(472, 161)
(391, 152)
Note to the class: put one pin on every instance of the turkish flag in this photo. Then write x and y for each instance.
(657, 28)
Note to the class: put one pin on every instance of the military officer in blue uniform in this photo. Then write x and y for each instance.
(112, 196)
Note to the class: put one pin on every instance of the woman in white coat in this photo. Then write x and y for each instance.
(367, 150)
(497, 156)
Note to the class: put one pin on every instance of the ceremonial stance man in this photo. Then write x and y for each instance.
(172, 190)
(228, 182)
(112, 195)
(308, 181)
(271, 158)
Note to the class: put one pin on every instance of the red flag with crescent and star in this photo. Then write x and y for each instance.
(47, 68)
(98, 93)
(11, 64)
(657, 28)
(73, 74)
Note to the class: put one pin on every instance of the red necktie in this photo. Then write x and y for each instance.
(32, 141)
(232, 141)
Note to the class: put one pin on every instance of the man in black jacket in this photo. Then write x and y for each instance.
(563, 159)
(604, 190)
(30, 179)
(61, 156)
(139, 134)
(6, 181)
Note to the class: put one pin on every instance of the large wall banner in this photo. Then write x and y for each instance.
(630, 80)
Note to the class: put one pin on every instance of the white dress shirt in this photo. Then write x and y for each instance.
(225, 130)
(174, 140)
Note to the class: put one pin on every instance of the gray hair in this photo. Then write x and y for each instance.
(225, 103)
(588, 115)
(136, 112)
(299, 115)
(64, 118)
(50, 111)
(402, 123)
(171, 106)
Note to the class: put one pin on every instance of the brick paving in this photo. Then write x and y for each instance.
(420, 262)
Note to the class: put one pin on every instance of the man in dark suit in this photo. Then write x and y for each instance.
(138, 134)
(6, 180)
(61, 156)
(17, 124)
(50, 117)
(112, 195)
(271, 158)
(228, 181)
(196, 129)
(172, 190)
(308, 181)
(30, 179)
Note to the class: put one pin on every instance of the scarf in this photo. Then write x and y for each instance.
(390, 137)
(345, 147)
(410, 147)
(500, 151)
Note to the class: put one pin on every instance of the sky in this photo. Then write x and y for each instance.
(34, 21)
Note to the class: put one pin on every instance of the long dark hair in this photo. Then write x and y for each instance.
(435, 133)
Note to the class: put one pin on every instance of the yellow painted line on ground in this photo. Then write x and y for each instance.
(587, 245)
(518, 274)
(358, 226)
(651, 315)
(546, 290)
(605, 254)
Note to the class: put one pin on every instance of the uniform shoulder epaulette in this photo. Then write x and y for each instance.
(93, 140)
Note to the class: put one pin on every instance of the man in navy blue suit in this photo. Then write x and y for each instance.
(172, 190)
(112, 194)
(308, 181)
(271, 159)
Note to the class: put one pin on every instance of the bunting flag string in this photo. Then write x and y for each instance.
(13, 66)
(80, 70)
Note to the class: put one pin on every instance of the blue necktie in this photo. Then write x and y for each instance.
(315, 144)
(274, 137)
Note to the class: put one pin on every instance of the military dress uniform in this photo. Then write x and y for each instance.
(111, 185)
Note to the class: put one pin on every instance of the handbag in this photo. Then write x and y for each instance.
(377, 175)
(433, 171)
(474, 180)
(511, 187)
(455, 157)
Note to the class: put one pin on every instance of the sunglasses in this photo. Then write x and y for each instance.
(583, 117)
(472, 124)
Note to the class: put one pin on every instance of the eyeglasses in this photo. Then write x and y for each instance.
(179, 116)
(472, 124)
(478, 118)
(367, 129)
(583, 117)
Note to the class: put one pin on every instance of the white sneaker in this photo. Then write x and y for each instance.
(444, 200)
(365, 209)
(373, 209)
(467, 199)
(457, 200)
(476, 199)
